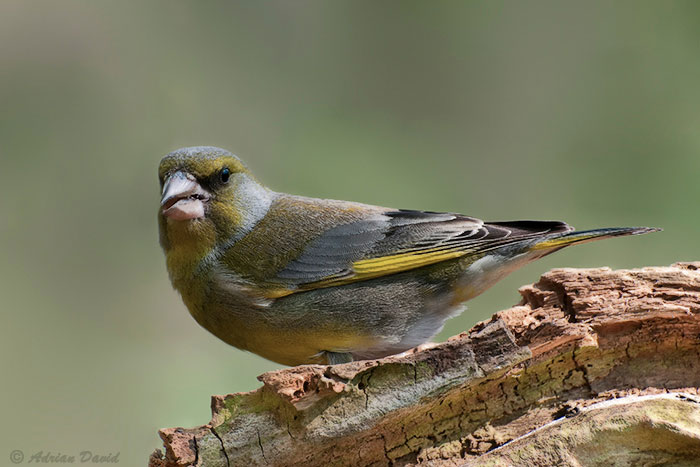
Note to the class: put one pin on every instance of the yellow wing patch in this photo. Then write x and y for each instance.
(563, 241)
(377, 267)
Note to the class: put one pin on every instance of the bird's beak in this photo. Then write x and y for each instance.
(183, 198)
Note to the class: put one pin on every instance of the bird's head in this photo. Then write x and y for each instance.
(192, 178)
(207, 194)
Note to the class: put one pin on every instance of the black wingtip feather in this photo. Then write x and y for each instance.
(527, 227)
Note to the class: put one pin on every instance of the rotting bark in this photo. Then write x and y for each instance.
(526, 387)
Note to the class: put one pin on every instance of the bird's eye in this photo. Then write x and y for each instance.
(225, 174)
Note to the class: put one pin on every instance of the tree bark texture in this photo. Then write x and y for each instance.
(593, 367)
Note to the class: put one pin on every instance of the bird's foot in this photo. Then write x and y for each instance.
(335, 358)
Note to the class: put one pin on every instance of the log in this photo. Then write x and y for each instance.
(593, 367)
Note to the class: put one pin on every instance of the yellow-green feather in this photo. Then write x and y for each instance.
(290, 224)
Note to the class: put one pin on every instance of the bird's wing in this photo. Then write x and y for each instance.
(394, 241)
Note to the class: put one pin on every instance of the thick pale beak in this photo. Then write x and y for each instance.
(183, 198)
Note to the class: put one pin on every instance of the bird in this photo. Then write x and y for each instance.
(300, 280)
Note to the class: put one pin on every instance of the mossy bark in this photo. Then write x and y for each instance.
(526, 387)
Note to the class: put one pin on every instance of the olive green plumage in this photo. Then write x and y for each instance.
(304, 280)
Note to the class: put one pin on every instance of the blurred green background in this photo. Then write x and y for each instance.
(587, 112)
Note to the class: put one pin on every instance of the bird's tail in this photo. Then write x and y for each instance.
(584, 236)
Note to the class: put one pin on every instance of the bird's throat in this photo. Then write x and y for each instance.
(187, 243)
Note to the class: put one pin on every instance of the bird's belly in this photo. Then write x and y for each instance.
(282, 334)
(294, 347)
(367, 319)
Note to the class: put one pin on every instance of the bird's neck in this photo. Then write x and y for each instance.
(188, 243)
(192, 247)
(237, 214)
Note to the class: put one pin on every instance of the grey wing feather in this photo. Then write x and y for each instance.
(333, 253)
(402, 231)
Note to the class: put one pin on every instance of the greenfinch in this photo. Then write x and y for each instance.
(303, 280)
